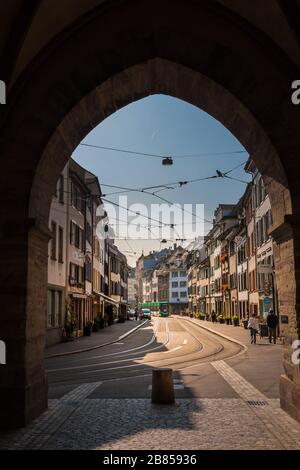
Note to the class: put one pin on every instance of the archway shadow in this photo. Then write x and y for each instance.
(120, 406)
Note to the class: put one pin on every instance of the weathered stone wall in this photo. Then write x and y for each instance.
(191, 50)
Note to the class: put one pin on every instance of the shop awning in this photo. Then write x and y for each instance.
(109, 299)
(79, 296)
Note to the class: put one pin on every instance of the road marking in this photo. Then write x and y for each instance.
(218, 333)
(131, 331)
(114, 362)
(275, 419)
(98, 346)
(171, 350)
(127, 350)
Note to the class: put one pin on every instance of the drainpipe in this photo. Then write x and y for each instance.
(67, 245)
(275, 300)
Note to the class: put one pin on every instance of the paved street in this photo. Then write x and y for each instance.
(174, 343)
(111, 334)
(226, 393)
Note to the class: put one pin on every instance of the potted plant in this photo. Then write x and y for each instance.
(70, 322)
(109, 313)
(228, 320)
(101, 322)
(87, 329)
(221, 318)
(235, 320)
(96, 325)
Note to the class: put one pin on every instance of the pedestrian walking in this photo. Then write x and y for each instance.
(272, 322)
(213, 316)
(253, 326)
(136, 314)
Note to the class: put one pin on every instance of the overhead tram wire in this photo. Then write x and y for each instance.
(218, 175)
(163, 186)
(130, 247)
(167, 186)
(171, 185)
(145, 191)
(136, 213)
(124, 222)
(115, 219)
(131, 152)
(172, 202)
(153, 155)
(171, 225)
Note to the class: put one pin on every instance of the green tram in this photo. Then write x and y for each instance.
(161, 307)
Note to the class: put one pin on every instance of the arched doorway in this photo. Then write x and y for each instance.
(195, 51)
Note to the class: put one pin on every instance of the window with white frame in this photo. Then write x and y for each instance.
(54, 308)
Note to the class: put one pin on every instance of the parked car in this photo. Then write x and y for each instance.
(146, 313)
(131, 313)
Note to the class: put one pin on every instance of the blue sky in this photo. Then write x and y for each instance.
(164, 125)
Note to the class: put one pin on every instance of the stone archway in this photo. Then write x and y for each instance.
(224, 71)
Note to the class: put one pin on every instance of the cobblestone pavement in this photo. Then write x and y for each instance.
(75, 421)
(246, 415)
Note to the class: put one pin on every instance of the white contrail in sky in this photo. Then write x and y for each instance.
(153, 135)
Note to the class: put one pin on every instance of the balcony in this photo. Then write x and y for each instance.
(75, 283)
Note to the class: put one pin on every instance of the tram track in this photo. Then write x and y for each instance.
(197, 347)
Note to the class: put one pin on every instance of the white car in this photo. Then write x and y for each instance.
(131, 313)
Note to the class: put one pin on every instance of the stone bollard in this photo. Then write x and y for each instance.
(162, 386)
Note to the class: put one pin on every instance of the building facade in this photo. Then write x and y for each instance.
(57, 261)
(233, 273)
(132, 292)
(81, 281)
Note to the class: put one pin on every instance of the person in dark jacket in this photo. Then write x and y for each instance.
(272, 322)
(136, 313)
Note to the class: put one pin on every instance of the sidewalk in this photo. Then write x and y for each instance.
(109, 335)
(237, 333)
(261, 363)
(251, 420)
